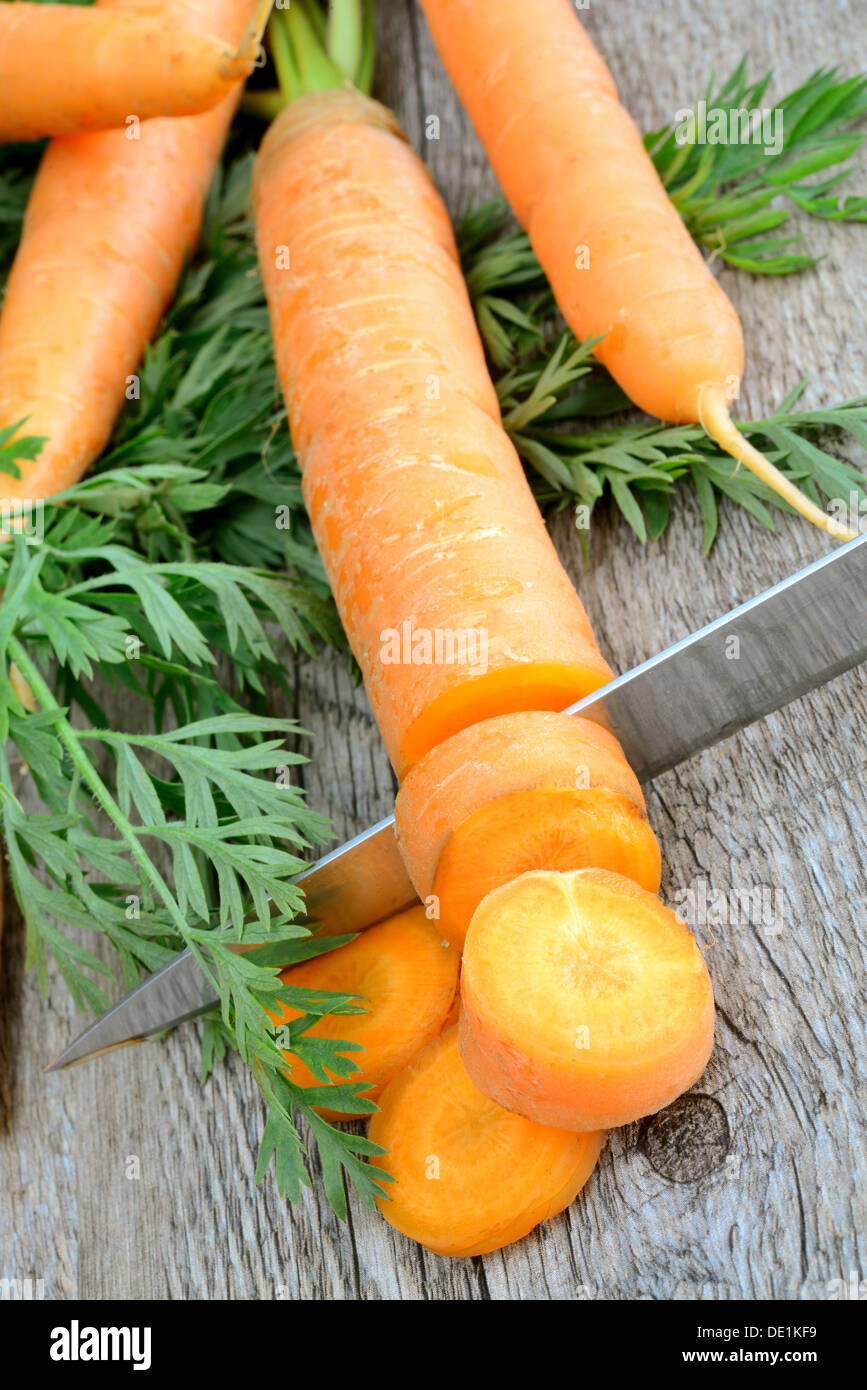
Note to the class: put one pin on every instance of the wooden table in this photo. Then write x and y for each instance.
(753, 1186)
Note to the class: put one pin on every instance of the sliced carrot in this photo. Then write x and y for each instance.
(562, 829)
(408, 978)
(427, 527)
(585, 1003)
(510, 753)
(470, 1177)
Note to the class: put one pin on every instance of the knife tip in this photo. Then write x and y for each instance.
(68, 1058)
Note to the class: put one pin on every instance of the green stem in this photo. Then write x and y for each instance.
(318, 73)
(346, 36)
(284, 58)
(317, 19)
(314, 55)
(92, 780)
(364, 80)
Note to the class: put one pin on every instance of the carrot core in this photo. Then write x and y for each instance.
(585, 1003)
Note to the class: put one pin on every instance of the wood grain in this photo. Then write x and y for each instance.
(753, 1187)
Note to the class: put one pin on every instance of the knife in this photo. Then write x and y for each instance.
(791, 639)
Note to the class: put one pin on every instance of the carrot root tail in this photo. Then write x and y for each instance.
(715, 420)
(241, 63)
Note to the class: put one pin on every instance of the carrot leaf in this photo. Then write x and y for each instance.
(723, 187)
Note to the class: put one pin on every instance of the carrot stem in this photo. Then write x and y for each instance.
(346, 36)
(312, 55)
(715, 420)
(317, 71)
(364, 80)
(29, 672)
(317, 19)
(283, 54)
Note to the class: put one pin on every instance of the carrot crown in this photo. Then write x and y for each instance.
(316, 50)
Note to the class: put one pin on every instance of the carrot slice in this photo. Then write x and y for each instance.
(515, 752)
(585, 1003)
(409, 977)
(469, 1176)
(551, 829)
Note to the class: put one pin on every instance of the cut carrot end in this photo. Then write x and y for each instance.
(585, 1002)
(515, 688)
(469, 1176)
(552, 829)
(715, 420)
(407, 978)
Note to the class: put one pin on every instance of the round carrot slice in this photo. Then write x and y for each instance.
(408, 977)
(469, 1176)
(558, 829)
(515, 752)
(585, 1002)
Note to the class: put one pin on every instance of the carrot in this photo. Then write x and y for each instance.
(108, 225)
(407, 977)
(585, 1003)
(533, 790)
(469, 1176)
(425, 523)
(66, 69)
(620, 261)
(451, 593)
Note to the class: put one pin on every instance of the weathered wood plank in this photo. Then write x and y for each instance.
(751, 1189)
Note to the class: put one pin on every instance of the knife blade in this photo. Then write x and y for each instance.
(791, 639)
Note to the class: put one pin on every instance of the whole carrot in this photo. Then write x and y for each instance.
(121, 60)
(620, 261)
(109, 223)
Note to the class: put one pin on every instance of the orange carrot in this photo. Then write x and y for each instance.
(407, 977)
(619, 258)
(534, 790)
(450, 591)
(585, 1003)
(426, 525)
(469, 1176)
(108, 225)
(65, 69)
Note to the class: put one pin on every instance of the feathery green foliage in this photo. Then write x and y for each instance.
(167, 572)
(728, 194)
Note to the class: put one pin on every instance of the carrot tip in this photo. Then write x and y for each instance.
(241, 63)
(715, 420)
